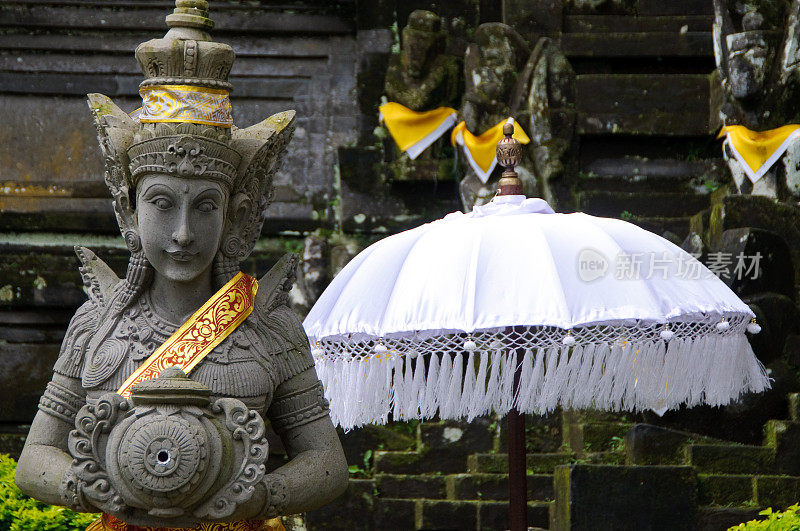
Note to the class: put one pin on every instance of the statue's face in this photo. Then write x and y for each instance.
(180, 224)
(749, 52)
(496, 74)
(418, 47)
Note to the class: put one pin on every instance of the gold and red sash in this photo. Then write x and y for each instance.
(204, 330)
(108, 523)
(757, 151)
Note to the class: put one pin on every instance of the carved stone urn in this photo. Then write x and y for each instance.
(168, 452)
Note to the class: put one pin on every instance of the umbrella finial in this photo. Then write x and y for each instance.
(509, 154)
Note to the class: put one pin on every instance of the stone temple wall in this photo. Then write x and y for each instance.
(647, 103)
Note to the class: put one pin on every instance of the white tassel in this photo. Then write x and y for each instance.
(476, 401)
(753, 327)
(506, 394)
(450, 408)
(430, 404)
(443, 383)
(468, 390)
(524, 380)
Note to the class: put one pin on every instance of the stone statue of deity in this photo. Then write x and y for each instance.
(504, 78)
(757, 53)
(421, 76)
(155, 415)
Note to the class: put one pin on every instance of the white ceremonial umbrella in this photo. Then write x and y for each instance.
(582, 311)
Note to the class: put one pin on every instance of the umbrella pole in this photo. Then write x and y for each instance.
(517, 480)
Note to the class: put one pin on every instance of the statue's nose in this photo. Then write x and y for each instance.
(183, 235)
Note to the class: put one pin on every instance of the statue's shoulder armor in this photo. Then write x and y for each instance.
(80, 330)
(284, 343)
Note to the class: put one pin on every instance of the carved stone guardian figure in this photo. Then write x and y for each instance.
(421, 76)
(156, 411)
(421, 90)
(757, 52)
(504, 78)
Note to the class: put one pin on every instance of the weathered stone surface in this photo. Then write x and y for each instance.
(494, 515)
(724, 489)
(407, 486)
(794, 407)
(642, 104)
(777, 492)
(457, 438)
(646, 444)
(447, 515)
(722, 518)
(779, 319)
(359, 441)
(766, 250)
(731, 459)
(735, 211)
(388, 514)
(534, 18)
(638, 24)
(339, 514)
(625, 497)
(498, 463)
(612, 204)
(650, 44)
(25, 370)
(784, 436)
(495, 487)
(629, 174)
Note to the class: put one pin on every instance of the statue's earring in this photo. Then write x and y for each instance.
(231, 246)
(132, 241)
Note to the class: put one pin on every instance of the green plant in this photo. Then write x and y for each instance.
(627, 216)
(18, 512)
(617, 444)
(788, 520)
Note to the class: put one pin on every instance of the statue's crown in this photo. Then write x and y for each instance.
(186, 55)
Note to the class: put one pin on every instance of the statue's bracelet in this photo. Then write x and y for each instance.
(277, 495)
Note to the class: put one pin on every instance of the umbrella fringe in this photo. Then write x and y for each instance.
(712, 369)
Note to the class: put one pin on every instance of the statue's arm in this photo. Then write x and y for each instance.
(317, 471)
(45, 458)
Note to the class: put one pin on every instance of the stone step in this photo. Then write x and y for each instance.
(641, 204)
(645, 174)
(794, 407)
(717, 489)
(402, 463)
(730, 459)
(405, 486)
(778, 492)
(495, 487)
(639, 24)
(647, 444)
(595, 436)
(644, 104)
(498, 463)
(640, 44)
(464, 515)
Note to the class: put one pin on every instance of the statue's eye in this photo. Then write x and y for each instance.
(207, 206)
(162, 203)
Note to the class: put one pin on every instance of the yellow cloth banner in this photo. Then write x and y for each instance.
(204, 330)
(757, 151)
(414, 131)
(481, 151)
(108, 523)
(185, 103)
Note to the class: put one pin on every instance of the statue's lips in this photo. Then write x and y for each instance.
(181, 256)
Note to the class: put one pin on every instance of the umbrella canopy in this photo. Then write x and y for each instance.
(596, 312)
